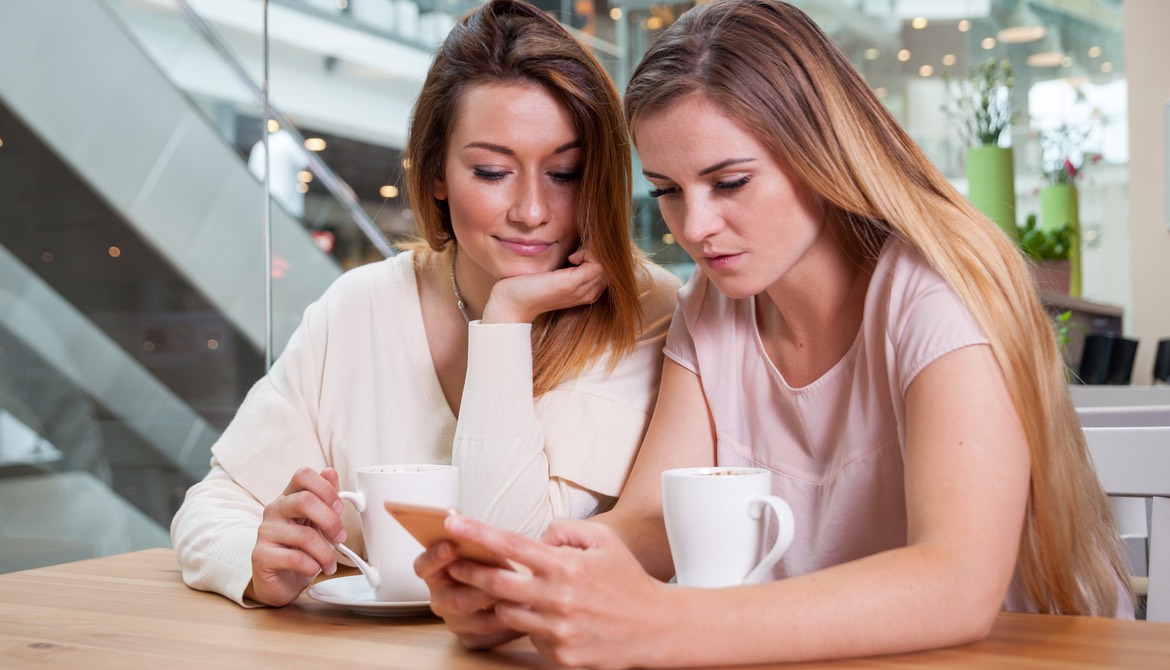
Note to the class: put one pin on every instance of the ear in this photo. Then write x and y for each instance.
(440, 189)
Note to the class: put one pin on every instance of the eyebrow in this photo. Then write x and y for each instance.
(501, 149)
(705, 171)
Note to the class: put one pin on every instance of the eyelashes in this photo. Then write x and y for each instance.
(497, 175)
(488, 175)
(726, 186)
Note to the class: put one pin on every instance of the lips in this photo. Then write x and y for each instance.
(720, 261)
(525, 247)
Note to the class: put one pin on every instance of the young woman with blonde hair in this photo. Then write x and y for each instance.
(522, 341)
(859, 329)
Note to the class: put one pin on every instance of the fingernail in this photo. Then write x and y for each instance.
(340, 536)
(455, 523)
(331, 569)
(337, 506)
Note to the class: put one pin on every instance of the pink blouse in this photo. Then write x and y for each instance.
(834, 445)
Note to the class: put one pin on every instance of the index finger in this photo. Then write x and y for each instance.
(308, 479)
(538, 557)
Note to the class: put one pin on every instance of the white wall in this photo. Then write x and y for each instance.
(1147, 51)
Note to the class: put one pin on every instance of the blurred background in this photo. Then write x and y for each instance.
(132, 252)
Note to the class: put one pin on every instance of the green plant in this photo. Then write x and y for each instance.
(1061, 324)
(980, 106)
(1045, 245)
(1065, 159)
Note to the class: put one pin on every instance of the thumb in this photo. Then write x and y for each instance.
(578, 534)
(332, 477)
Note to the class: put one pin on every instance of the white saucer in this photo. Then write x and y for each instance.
(355, 593)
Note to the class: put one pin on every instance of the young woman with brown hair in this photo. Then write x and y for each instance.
(857, 327)
(522, 341)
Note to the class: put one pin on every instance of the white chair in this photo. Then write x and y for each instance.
(1118, 396)
(1135, 462)
(1129, 415)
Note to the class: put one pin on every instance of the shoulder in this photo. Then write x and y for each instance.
(915, 313)
(362, 282)
(658, 295)
(905, 284)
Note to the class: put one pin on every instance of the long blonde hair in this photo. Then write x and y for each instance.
(768, 65)
(511, 41)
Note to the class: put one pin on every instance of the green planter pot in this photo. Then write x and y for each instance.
(1058, 206)
(992, 185)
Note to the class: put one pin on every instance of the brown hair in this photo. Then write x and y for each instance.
(769, 66)
(507, 41)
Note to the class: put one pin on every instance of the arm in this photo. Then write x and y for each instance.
(252, 529)
(680, 416)
(525, 462)
(967, 474)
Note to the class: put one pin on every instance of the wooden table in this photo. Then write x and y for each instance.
(133, 611)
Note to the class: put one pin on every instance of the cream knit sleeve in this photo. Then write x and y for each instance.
(567, 454)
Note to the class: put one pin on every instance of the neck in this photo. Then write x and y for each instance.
(821, 297)
(470, 283)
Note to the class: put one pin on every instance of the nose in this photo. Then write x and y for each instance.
(531, 204)
(699, 221)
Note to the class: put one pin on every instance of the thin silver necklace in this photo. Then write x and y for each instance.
(455, 286)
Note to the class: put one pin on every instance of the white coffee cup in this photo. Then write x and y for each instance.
(716, 525)
(392, 550)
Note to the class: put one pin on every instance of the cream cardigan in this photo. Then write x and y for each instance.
(356, 386)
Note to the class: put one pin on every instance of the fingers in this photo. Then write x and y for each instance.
(312, 498)
(297, 528)
(579, 534)
(528, 553)
(324, 485)
(432, 563)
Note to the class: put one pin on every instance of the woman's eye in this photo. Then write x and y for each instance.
(565, 177)
(667, 192)
(488, 175)
(733, 185)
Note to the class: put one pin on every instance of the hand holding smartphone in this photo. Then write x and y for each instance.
(426, 525)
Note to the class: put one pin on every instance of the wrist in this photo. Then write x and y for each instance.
(494, 312)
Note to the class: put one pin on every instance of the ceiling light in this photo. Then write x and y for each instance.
(1021, 34)
(964, 25)
(388, 191)
(925, 71)
(304, 176)
(1046, 59)
(1107, 67)
(1066, 61)
(1094, 51)
(615, 13)
(904, 55)
(315, 144)
(988, 43)
(872, 54)
(273, 125)
(949, 60)
(919, 22)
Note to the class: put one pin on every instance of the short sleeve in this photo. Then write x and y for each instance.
(680, 341)
(928, 319)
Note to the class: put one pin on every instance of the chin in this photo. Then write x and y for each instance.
(735, 288)
(530, 266)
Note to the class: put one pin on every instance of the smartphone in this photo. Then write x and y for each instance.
(426, 525)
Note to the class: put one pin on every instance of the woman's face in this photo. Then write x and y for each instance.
(511, 175)
(726, 200)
